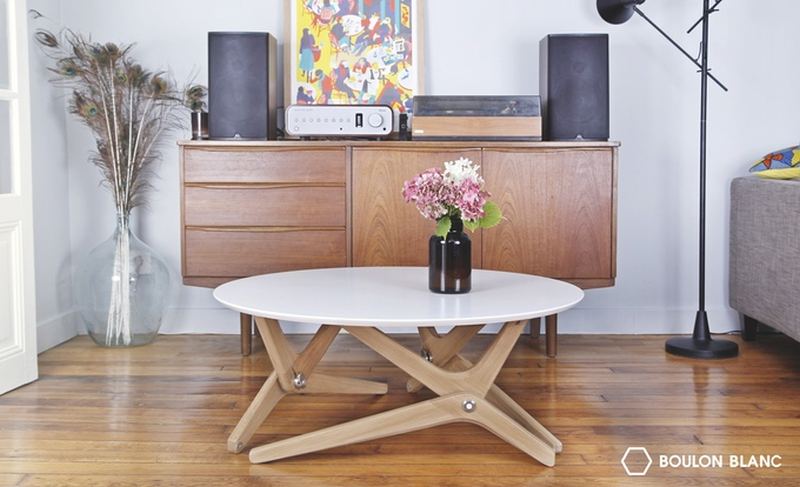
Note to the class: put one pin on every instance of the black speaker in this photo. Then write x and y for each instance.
(241, 85)
(573, 84)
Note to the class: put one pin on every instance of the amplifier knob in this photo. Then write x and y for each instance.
(375, 120)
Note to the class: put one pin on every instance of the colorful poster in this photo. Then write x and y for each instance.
(353, 52)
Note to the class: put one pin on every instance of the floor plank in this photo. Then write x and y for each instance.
(161, 414)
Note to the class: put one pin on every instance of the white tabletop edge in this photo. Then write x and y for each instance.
(243, 295)
(299, 318)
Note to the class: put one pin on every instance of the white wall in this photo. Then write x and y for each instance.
(54, 305)
(476, 47)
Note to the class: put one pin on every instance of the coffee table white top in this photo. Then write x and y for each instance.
(394, 296)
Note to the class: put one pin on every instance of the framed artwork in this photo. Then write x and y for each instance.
(353, 52)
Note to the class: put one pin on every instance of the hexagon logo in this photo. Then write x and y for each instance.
(636, 456)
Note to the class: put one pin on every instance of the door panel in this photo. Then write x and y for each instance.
(5, 68)
(9, 292)
(6, 174)
(387, 231)
(558, 210)
(17, 295)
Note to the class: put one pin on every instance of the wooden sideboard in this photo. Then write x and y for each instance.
(256, 207)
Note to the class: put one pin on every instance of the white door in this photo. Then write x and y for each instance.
(17, 300)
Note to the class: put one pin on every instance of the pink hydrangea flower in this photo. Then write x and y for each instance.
(428, 192)
(457, 191)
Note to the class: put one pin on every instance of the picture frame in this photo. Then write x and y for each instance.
(358, 51)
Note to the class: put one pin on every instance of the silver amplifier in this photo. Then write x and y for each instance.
(339, 121)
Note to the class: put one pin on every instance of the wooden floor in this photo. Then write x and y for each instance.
(160, 415)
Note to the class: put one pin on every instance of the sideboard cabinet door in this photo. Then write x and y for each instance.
(387, 231)
(559, 210)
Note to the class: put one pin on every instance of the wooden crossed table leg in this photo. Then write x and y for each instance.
(443, 351)
(292, 374)
(467, 392)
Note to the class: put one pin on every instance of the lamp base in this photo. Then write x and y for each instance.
(705, 349)
(700, 344)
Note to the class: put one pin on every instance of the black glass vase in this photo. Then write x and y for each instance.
(450, 261)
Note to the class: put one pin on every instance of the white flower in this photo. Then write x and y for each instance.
(461, 170)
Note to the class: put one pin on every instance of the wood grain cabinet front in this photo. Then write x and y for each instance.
(231, 253)
(255, 209)
(387, 231)
(256, 205)
(250, 165)
(559, 209)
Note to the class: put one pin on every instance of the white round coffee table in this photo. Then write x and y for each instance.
(362, 299)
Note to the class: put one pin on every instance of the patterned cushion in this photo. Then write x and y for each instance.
(782, 164)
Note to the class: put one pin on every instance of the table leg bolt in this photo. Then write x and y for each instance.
(469, 405)
(426, 355)
(299, 381)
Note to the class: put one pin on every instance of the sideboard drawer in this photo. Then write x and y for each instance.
(290, 205)
(203, 165)
(217, 252)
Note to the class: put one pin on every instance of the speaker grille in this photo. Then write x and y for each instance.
(239, 85)
(574, 86)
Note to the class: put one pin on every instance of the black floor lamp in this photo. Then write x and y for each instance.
(700, 345)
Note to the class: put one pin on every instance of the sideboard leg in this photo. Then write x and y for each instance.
(551, 323)
(536, 328)
(246, 323)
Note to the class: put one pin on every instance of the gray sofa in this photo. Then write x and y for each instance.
(765, 254)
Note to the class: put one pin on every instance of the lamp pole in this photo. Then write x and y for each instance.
(700, 344)
(703, 333)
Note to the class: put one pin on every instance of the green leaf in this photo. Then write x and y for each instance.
(492, 215)
(471, 225)
(442, 226)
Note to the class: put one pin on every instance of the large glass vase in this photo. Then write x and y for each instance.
(123, 290)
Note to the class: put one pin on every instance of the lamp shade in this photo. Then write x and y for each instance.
(617, 11)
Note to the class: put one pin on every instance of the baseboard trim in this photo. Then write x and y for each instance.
(588, 321)
(643, 321)
(56, 330)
